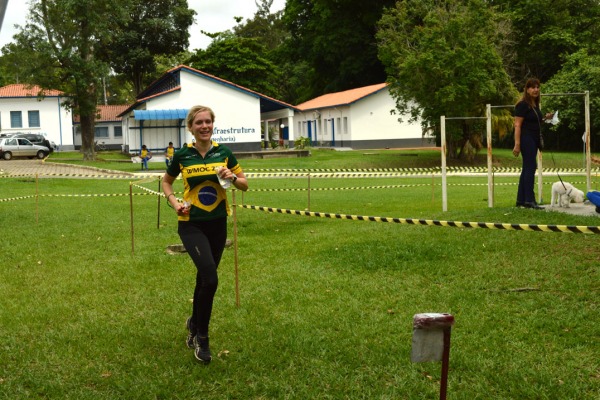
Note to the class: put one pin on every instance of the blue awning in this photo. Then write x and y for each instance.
(143, 115)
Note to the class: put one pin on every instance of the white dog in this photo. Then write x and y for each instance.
(563, 193)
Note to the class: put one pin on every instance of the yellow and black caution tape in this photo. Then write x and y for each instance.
(16, 198)
(332, 175)
(429, 222)
(410, 170)
(80, 176)
(96, 195)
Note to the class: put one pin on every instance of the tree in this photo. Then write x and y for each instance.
(580, 72)
(239, 60)
(447, 58)
(546, 31)
(266, 26)
(247, 55)
(158, 27)
(62, 47)
(336, 41)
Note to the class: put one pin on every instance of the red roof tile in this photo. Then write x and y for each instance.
(20, 90)
(106, 113)
(340, 98)
(110, 113)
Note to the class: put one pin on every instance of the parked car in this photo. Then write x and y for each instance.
(38, 139)
(20, 147)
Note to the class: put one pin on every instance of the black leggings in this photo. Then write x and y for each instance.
(529, 150)
(204, 242)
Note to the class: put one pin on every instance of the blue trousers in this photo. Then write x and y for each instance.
(529, 149)
(594, 197)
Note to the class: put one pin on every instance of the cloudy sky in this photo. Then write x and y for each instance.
(212, 16)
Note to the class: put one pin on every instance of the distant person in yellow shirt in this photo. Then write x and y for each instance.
(145, 155)
(169, 151)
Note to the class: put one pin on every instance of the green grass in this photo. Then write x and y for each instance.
(330, 159)
(326, 305)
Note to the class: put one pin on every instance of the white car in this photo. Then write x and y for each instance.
(20, 147)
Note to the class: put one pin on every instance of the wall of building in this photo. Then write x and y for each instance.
(113, 140)
(237, 117)
(365, 124)
(237, 113)
(373, 120)
(56, 122)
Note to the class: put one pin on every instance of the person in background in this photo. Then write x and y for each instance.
(169, 152)
(202, 215)
(528, 139)
(145, 155)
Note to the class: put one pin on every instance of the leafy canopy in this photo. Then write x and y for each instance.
(446, 58)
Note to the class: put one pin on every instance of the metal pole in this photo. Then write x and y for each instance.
(540, 178)
(432, 187)
(488, 113)
(444, 189)
(588, 158)
(445, 364)
(563, 94)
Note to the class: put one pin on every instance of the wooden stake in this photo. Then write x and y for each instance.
(131, 216)
(235, 250)
(37, 213)
(445, 364)
(308, 209)
(158, 213)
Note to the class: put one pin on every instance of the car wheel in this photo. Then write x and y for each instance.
(7, 155)
(41, 154)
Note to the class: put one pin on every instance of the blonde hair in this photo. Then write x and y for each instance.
(189, 120)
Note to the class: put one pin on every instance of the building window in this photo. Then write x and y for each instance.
(346, 125)
(34, 119)
(16, 119)
(118, 131)
(102, 132)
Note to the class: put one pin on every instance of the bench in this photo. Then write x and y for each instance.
(138, 160)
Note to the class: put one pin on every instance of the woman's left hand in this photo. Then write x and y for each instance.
(225, 173)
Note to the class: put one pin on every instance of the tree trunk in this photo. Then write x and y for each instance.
(87, 137)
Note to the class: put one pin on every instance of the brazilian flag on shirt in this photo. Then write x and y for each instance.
(201, 186)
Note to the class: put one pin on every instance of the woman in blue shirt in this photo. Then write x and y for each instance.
(528, 139)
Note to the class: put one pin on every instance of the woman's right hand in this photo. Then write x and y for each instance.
(182, 208)
(517, 149)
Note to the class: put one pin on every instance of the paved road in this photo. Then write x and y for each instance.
(17, 167)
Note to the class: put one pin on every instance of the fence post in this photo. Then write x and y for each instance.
(488, 114)
(444, 188)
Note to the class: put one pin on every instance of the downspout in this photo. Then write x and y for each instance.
(179, 134)
(141, 134)
(317, 119)
(60, 123)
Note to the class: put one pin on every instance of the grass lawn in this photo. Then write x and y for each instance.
(326, 305)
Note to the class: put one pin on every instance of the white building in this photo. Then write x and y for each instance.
(158, 115)
(27, 109)
(363, 118)
(108, 127)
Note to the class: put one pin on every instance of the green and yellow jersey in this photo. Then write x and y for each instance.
(201, 186)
